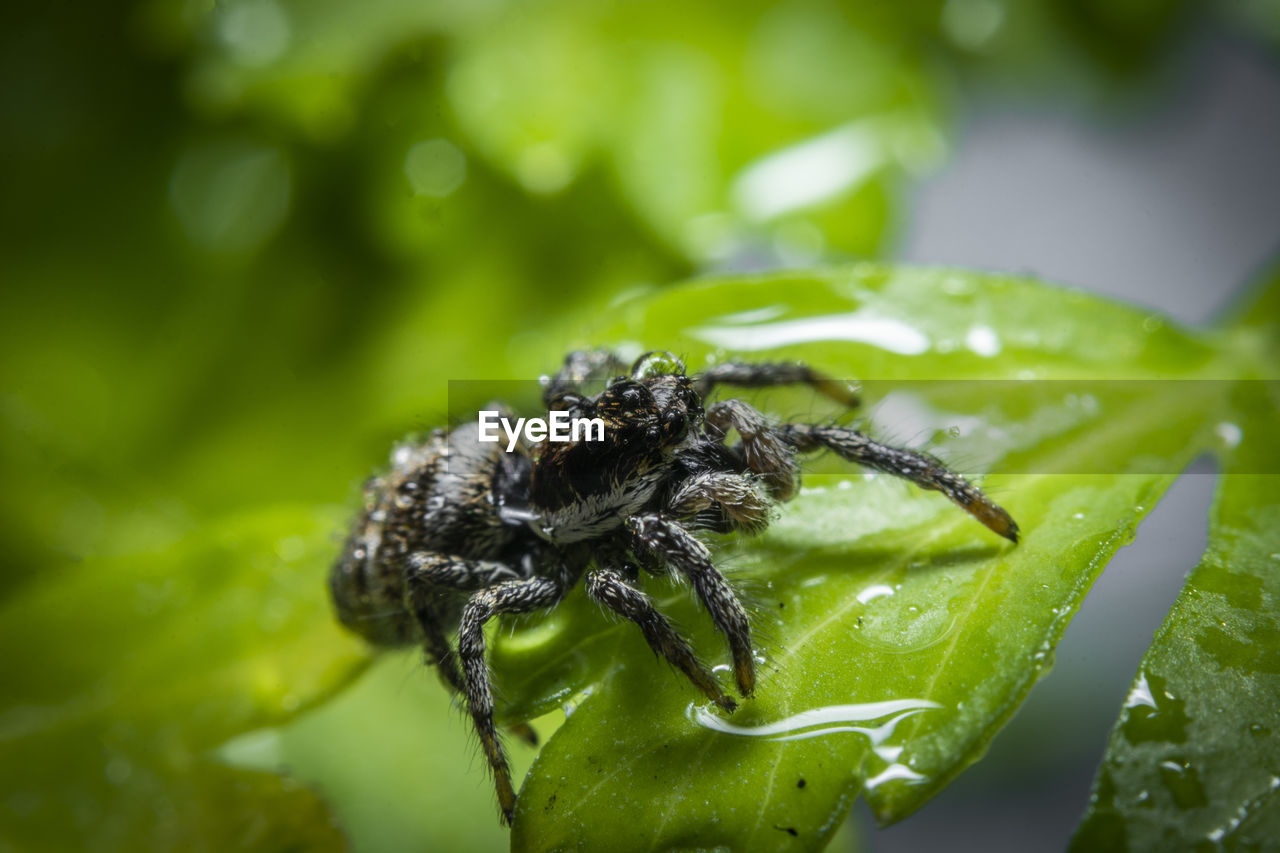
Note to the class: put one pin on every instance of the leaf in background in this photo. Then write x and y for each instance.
(146, 662)
(790, 123)
(1194, 759)
(904, 632)
(785, 129)
(786, 126)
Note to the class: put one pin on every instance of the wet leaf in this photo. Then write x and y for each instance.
(1194, 761)
(146, 662)
(898, 635)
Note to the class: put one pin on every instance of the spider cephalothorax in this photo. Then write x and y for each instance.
(460, 530)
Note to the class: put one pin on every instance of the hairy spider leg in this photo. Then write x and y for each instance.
(607, 588)
(919, 468)
(761, 440)
(429, 568)
(922, 469)
(737, 495)
(436, 642)
(764, 449)
(773, 374)
(522, 596)
(427, 573)
(655, 536)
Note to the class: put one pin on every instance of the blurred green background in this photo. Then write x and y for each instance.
(246, 244)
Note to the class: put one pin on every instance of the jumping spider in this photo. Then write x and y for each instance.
(459, 531)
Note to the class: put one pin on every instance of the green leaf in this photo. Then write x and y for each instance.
(788, 125)
(902, 631)
(1255, 325)
(146, 662)
(791, 121)
(1193, 761)
(390, 754)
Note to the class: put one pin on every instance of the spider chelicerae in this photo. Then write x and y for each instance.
(459, 531)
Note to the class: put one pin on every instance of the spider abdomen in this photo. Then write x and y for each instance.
(437, 498)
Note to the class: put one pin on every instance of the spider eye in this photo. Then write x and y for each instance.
(657, 363)
(626, 397)
(677, 425)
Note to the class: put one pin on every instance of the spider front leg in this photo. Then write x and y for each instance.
(656, 537)
(522, 596)
(607, 588)
(774, 374)
(766, 453)
(738, 496)
(920, 468)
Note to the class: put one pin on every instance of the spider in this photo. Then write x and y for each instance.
(459, 531)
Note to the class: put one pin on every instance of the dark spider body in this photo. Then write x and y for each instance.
(459, 531)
